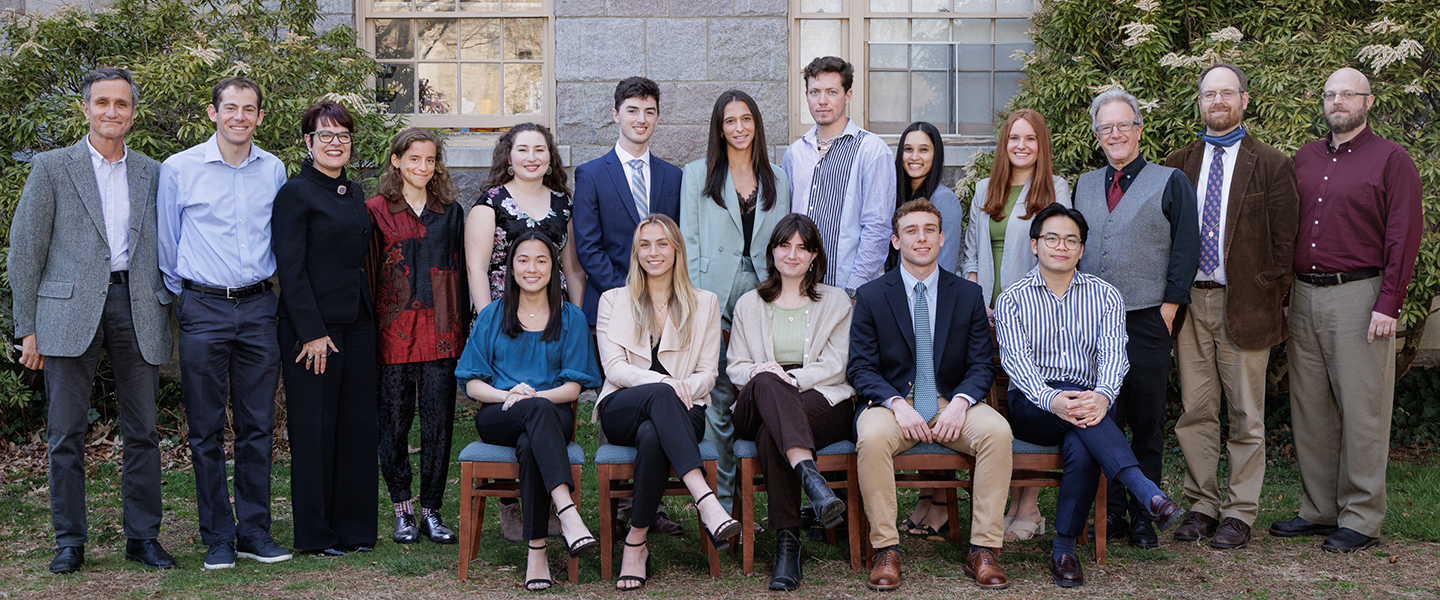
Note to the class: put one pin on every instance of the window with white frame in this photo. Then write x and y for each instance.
(462, 63)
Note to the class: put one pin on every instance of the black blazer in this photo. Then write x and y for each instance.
(321, 238)
(605, 218)
(882, 341)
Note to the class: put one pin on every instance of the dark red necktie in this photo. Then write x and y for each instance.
(1115, 192)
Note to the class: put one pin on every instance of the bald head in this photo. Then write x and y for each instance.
(1347, 102)
(1347, 78)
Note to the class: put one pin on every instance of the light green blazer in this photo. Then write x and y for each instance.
(713, 235)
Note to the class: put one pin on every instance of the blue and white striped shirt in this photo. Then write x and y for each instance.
(1077, 338)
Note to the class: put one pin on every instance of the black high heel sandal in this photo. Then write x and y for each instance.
(926, 530)
(910, 523)
(728, 529)
(548, 582)
(579, 546)
(642, 580)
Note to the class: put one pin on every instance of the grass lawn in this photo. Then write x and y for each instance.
(1404, 565)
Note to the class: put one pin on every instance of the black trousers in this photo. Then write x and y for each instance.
(333, 434)
(431, 386)
(1141, 403)
(778, 416)
(1088, 451)
(67, 388)
(539, 430)
(665, 435)
(228, 350)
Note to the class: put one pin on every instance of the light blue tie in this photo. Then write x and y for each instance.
(638, 187)
(925, 400)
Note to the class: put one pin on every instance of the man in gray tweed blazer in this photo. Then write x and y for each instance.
(84, 270)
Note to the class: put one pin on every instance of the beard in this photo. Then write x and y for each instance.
(1346, 122)
(1223, 122)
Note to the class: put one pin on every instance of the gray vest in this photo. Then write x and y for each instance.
(1128, 248)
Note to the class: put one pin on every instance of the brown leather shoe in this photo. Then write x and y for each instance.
(1066, 571)
(1197, 526)
(886, 574)
(664, 525)
(984, 566)
(1233, 534)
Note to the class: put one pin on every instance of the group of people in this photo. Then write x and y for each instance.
(830, 297)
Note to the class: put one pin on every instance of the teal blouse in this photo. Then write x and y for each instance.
(504, 362)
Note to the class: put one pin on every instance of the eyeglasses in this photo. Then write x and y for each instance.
(1346, 95)
(1053, 241)
(1123, 127)
(327, 137)
(1226, 95)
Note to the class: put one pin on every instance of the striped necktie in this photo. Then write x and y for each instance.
(638, 187)
(925, 400)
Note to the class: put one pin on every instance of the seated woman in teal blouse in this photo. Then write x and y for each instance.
(529, 355)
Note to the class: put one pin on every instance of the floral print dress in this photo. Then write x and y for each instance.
(511, 221)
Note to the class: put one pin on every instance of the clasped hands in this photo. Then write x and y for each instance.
(1081, 408)
(520, 392)
(947, 424)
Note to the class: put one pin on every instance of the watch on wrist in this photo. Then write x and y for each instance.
(850, 292)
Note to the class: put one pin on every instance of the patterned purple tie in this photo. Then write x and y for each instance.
(1210, 221)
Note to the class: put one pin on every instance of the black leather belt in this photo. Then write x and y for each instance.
(1209, 285)
(233, 293)
(119, 278)
(1329, 279)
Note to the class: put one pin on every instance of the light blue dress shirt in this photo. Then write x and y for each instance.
(214, 218)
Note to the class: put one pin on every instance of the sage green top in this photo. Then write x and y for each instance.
(997, 239)
(787, 334)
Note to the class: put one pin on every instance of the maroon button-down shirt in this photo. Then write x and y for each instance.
(1359, 208)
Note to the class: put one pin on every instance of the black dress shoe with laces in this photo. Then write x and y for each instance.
(1348, 540)
(1142, 535)
(405, 530)
(68, 559)
(432, 527)
(148, 553)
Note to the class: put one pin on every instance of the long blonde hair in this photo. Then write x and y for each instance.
(682, 293)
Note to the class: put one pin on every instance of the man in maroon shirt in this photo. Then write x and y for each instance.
(1360, 227)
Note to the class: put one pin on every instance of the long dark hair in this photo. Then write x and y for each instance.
(788, 226)
(555, 178)
(510, 298)
(717, 161)
(927, 187)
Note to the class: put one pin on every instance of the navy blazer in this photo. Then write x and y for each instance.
(882, 341)
(605, 218)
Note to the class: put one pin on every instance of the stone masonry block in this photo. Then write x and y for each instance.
(761, 8)
(675, 49)
(590, 49)
(637, 8)
(679, 144)
(579, 8)
(702, 8)
(748, 49)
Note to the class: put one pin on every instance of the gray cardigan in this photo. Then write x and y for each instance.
(1017, 259)
(827, 343)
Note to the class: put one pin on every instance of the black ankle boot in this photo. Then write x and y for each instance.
(829, 510)
(787, 560)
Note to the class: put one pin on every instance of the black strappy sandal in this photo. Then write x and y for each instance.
(728, 529)
(642, 580)
(910, 523)
(549, 583)
(582, 545)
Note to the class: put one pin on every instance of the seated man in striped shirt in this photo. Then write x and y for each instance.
(1062, 341)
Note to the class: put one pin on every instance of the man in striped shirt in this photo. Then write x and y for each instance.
(1062, 341)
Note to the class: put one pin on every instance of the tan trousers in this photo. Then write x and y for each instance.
(1342, 391)
(1210, 362)
(985, 436)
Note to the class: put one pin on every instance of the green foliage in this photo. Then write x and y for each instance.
(1416, 419)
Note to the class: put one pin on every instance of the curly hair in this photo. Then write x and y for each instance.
(555, 178)
(440, 189)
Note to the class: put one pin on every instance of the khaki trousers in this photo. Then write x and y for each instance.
(1209, 363)
(985, 436)
(1342, 391)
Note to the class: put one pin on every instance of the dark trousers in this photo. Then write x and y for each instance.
(228, 350)
(431, 385)
(665, 435)
(67, 388)
(1141, 404)
(333, 432)
(539, 430)
(778, 416)
(1088, 451)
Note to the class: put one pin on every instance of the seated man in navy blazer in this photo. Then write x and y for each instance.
(920, 360)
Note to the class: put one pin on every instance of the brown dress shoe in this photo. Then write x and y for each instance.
(1066, 571)
(984, 566)
(1233, 534)
(664, 525)
(886, 574)
(1197, 526)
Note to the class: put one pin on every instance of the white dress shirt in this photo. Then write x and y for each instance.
(625, 159)
(114, 183)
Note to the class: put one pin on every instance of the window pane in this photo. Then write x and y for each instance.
(524, 39)
(972, 97)
(1012, 30)
(1006, 86)
(974, 6)
(393, 40)
(397, 91)
(930, 5)
(522, 4)
(930, 98)
(1003, 59)
(437, 38)
(819, 38)
(479, 5)
(480, 39)
(435, 5)
(930, 56)
(1019, 6)
(888, 102)
(972, 30)
(524, 89)
(437, 88)
(390, 5)
(820, 6)
(886, 56)
(889, 6)
(481, 86)
(970, 57)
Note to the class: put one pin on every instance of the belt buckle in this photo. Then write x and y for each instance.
(230, 293)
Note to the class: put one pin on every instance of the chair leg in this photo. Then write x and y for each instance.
(747, 514)
(856, 515)
(607, 519)
(469, 531)
(1100, 534)
(954, 513)
(710, 551)
(574, 575)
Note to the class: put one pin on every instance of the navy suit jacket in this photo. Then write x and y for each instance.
(882, 341)
(605, 218)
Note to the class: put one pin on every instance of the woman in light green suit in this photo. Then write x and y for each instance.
(729, 203)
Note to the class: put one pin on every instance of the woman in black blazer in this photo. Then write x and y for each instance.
(327, 339)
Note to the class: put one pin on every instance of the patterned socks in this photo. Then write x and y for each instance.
(426, 512)
(404, 508)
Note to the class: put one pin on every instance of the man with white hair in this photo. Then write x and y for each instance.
(1360, 229)
(1145, 241)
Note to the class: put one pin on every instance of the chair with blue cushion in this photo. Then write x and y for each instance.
(615, 468)
(836, 462)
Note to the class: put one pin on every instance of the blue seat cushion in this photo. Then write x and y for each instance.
(1022, 447)
(479, 451)
(746, 449)
(610, 454)
(927, 448)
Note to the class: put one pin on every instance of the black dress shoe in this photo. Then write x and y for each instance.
(148, 553)
(1066, 571)
(1348, 540)
(1142, 535)
(68, 559)
(1298, 527)
(787, 574)
(828, 509)
(1116, 528)
(432, 527)
(405, 530)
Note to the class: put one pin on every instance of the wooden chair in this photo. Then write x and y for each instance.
(836, 462)
(490, 471)
(615, 467)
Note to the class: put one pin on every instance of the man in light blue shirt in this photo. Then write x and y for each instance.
(214, 222)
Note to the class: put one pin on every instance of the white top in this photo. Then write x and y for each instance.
(1231, 153)
(114, 184)
(625, 159)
